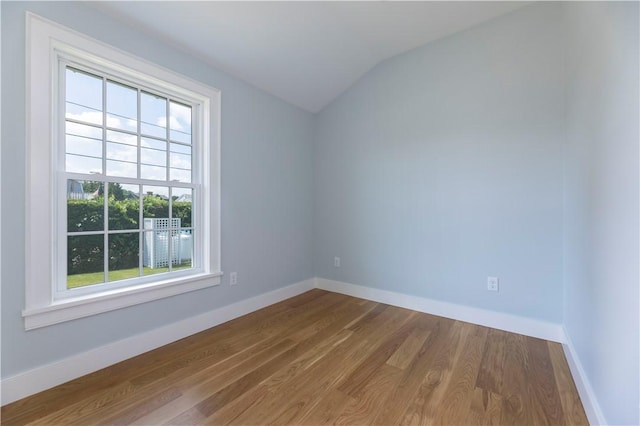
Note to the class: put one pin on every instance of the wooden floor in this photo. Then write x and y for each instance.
(322, 358)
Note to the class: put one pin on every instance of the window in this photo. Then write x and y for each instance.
(123, 179)
(130, 193)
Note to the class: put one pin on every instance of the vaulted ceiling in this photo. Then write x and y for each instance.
(306, 53)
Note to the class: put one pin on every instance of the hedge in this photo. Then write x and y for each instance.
(85, 253)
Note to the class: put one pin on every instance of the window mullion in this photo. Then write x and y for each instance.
(105, 189)
(167, 137)
(139, 130)
(59, 150)
(104, 125)
(168, 167)
(105, 204)
(80, 233)
(127, 181)
(171, 229)
(140, 232)
(196, 175)
(140, 187)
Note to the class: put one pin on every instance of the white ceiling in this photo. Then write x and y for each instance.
(306, 53)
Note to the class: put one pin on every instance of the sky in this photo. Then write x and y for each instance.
(84, 150)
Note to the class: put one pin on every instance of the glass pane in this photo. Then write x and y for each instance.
(84, 146)
(81, 113)
(85, 206)
(182, 149)
(154, 143)
(83, 96)
(85, 260)
(155, 250)
(153, 172)
(185, 258)
(122, 106)
(124, 252)
(120, 137)
(181, 208)
(77, 129)
(155, 206)
(180, 175)
(153, 157)
(124, 206)
(180, 122)
(153, 112)
(122, 152)
(122, 169)
(80, 164)
(180, 161)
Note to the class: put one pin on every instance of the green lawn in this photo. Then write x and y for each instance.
(80, 280)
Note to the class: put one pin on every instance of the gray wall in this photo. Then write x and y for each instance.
(443, 166)
(266, 194)
(601, 202)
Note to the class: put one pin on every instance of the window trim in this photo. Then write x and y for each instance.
(44, 39)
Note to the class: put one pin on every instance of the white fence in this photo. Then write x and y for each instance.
(156, 243)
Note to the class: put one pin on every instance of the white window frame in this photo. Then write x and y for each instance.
(47, 45)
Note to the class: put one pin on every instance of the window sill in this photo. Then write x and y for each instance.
(70, 309)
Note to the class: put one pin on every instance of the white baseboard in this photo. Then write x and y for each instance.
(55, 373)
(587, 396)
(513, 323)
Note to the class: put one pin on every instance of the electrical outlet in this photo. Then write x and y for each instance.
(336, 262)
(233, 278)
(492, 283)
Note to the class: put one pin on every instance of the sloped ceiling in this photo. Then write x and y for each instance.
(306, 53)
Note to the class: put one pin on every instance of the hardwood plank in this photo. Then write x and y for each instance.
(543, 391)
(571, 405)
(227, 369)
(402, 357)
(199, 385)
(516, 404)
(456, 400)
(246, 403)
(354, 383)
(302, 394)
(363, 320)
(424, 406)
(138, 410)
(402, 396)
(192, 394)
(364, 408)
(221, 394)
(327, 410)
(235, 389)
(213, 377)
(284, 388)
(235, 339)
(324, 358)
(302, 391)
(485, 409)
(37, 406)
(491, 368)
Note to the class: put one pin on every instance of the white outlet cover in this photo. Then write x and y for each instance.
(492, 283)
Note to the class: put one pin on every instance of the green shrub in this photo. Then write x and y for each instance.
(85, 252)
